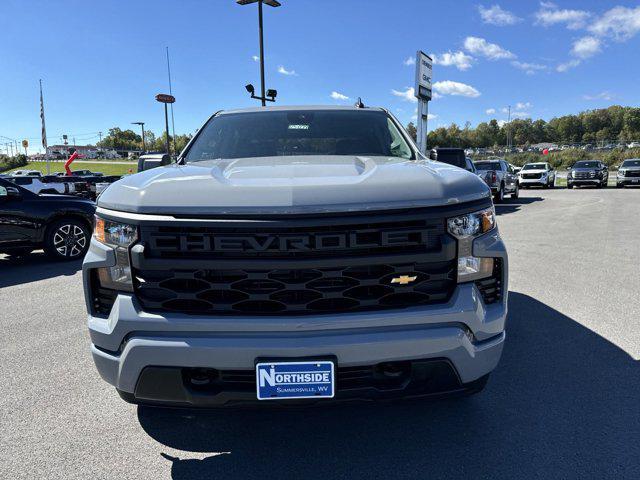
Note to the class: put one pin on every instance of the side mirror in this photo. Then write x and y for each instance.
(146, 162)
(8, 192)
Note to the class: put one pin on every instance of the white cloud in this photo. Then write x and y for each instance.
(408, 94)
(563, 67)
(586, 47)
(520, 115)
(549, 14)
(480, 46)
(528, 68)
(448, 87)
(409, 61)
(502, 123)
(490, 111)
(599, 96)
(255, 58)
(619, 23)
(284, 71)
(460, 60)
(338, 96)
(523, 105)
(495, 15)
(431, 116)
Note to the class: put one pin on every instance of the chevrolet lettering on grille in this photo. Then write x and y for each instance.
(288, 243)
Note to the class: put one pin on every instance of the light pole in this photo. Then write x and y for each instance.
(164, 98)
(144, 145)
(271, 3)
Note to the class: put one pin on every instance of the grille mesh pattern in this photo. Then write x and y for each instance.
(299, 291)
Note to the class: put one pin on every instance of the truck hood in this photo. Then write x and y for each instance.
(292, 184)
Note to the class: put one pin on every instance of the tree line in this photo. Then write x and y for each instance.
(119, 139)
(606, 125)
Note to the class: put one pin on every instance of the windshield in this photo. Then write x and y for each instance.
(586, 165)
(631, 163)
(299, 132)
(534, 166)
(488, 165)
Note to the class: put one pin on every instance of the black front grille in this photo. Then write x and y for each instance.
(296, 291)
(531, 176)
(298, 264)
(584, 175)
(632, 173)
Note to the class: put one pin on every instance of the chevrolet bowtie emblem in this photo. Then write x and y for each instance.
(404, 279)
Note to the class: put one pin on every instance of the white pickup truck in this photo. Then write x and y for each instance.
(44, 184)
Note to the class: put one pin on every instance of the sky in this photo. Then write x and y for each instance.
(102, 63)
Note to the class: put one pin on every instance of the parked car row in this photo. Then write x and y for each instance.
(83, 183)
(505, 179)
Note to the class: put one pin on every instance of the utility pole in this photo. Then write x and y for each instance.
(100, 137)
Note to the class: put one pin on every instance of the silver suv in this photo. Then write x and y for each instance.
(296, 254)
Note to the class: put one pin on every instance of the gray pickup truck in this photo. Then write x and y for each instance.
(296, 254)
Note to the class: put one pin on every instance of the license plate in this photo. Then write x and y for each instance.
(285, 380)
(636, 180)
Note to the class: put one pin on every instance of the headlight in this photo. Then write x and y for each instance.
(119, 236)
(115, 234)
(465, 228)
(621, 173)
(472, 224)
(569, 174)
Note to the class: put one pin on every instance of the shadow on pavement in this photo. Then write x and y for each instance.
(564, 403)
(511, 205)
(33, 267)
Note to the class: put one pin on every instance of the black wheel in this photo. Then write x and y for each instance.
(569, 185)
(552, 184)
(619, 185)
(67, 239)
(516, 192)
(498, 197)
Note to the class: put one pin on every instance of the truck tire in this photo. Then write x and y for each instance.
(516, 192)
(67, 239)
(498, 197)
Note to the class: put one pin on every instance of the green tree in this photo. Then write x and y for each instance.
(121, 140)
(412, 131)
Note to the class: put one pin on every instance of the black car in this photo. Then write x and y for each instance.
(60, 224)
(588, 172)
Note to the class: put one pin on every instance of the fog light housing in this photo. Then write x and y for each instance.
(473, 268)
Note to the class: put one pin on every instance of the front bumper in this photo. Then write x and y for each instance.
(533, 181)
(465, 332)
(586, 181)
(628, 180)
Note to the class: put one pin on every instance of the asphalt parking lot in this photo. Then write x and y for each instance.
(564, 402)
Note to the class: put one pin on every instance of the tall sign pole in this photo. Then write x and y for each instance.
(424, 73)
(164, 98)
